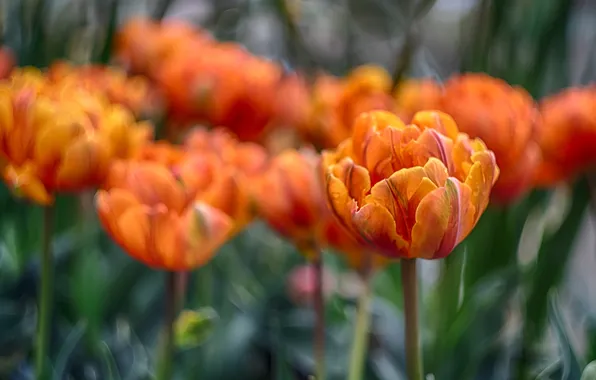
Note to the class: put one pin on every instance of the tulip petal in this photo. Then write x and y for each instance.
(25, 182)
(354, 177)
(438, 121)
(207, 229)
(443, 218)
(111, 205)
(480, 179)
(394, 193)
(84, 164)
(133, 231)
(377, 227)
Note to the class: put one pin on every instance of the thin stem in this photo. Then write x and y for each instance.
(361, 329)
(409, 280)
(166, 348)
(319, 306)
(46, 293)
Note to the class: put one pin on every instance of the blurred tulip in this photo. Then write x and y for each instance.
(289, 197)
(55, 141)
(409, 191)
(251, 159)
(506, 119)
(336, 103)
(152, 214)
(143, 44)
(163, 152)
(134, 93)
(414, 95)
(567, 136)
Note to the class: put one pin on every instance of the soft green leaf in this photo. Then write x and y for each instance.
(572, 366)
(589, 372)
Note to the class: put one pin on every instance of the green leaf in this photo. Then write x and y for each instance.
(589, 372)
(193, 327)
(68, 347)
(571, 363)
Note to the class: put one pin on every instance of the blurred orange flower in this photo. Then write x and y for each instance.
(409, 191)
(568, 135)
(55, 141)
(506, 119)
(414, 95)
(291, 199)
(337, 102)
(152, 214)
(142, 45)
(250, 158)
(134, 93)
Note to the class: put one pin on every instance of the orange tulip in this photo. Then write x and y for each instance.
(336, 103)
(247, 157)
(568, 135)
(54, 141)
(289, 198)
(133, 93)
(414, 95)
(506, 119)
(153, 216)
(409, 191)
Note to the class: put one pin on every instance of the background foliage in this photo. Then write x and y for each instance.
(491, 305)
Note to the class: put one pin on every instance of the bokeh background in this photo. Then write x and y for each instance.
(252, 299)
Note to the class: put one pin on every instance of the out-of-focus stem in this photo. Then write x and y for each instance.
(166, 346)
(319, 306)
(409, 280)
(361, 327)
(45, 293)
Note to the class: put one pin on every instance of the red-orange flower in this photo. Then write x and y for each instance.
(409, 191)
(154, 216)
(55, 141)
(414, 95)
(506, 119)
(337, 102)
(134, 93)
(568, 135)
(290, 197)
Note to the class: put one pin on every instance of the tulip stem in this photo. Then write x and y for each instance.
(319, 306)
(46, 289)
(409, 280)
(360, 342)
(166, 347)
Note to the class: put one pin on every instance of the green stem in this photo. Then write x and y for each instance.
(166, 348)
(46, 293)
(360, 343)
(319, 306)
(409, 280)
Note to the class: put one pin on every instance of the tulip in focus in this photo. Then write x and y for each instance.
(154, 214)
(409, 191)
(568, 135)
(506, 119)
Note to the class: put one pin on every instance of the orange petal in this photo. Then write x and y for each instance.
(354, 177)
(133, 231)
(438, 121)
(111, 206)
(377, 227)
(207, 230)
(84, 165)
(25, 183)
(443, 218)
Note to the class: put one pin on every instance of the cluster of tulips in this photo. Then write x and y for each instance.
(405, 173)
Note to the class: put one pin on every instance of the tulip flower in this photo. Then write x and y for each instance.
(409, 191)
(506, 119)
(567, 136)
(154, 215)
(54, 141)
(414, 95)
